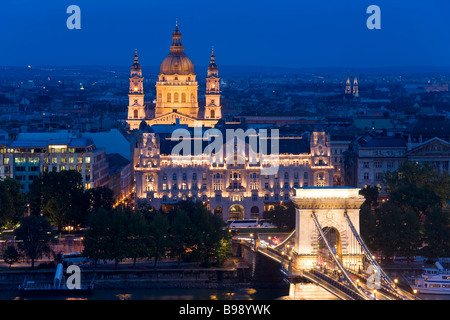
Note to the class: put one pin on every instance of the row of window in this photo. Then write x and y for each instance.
(176, 97)
(378, 176)
(219, 186)
(48, 160)
(219, 176)
(378, 164)
(218, 198)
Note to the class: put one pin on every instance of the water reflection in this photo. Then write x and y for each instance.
(165, 294)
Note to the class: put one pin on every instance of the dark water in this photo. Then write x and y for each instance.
(166, 294)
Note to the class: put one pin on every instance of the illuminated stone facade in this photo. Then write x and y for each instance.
(230, 188)
(176, 92)
(329, 205)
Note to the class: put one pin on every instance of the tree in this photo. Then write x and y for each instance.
(34, 236)
(138, 232)
(12, 203)
(367, 217)
(11, 255)
(158, 236)
(95, 242)
(413, 214)
(117, 236)
(282, 215)
(422, 176)
(197, 234)
(59, 197)
(100, 197)
(181, 235)
(437, 234)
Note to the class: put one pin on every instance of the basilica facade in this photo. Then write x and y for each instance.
(234, 186)
(176, 91)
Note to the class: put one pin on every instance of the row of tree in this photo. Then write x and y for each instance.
(414, 219)
(58, 196)
(189, 232)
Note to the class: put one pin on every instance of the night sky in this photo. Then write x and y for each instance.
(282, 33)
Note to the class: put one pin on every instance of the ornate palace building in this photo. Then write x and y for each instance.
(236, 186)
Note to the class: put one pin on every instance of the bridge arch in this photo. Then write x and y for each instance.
(333, 236)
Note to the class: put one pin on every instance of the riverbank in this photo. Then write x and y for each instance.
(234, 274)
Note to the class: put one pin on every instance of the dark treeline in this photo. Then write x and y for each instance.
(187, 232)
(414, 219)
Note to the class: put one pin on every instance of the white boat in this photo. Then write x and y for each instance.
(432, 281)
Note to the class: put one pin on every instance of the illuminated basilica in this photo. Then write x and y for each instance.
(230, 188)
(176, 91)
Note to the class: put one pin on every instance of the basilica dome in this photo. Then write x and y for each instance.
(177, 62)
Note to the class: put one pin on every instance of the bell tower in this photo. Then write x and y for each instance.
(213, 110)
(355, 88)
(136, 108)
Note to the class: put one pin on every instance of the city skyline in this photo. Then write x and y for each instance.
(289, 34)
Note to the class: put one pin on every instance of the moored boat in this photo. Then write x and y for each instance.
(432, 281)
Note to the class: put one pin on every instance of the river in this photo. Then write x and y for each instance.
(167, 294)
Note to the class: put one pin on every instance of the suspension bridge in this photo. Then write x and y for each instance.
(326, 248)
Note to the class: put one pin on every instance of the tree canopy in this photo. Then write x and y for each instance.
(413, 220)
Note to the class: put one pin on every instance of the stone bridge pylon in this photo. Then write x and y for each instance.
(331, 207)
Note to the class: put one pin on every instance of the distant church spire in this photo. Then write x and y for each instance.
(355, 88)
(348, 86)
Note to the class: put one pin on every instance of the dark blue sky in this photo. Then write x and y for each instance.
(285, 33)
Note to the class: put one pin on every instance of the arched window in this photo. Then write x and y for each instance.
(175, 97)
(254, 212)
(183, 97)
(213, 114)
(136, 114)
(169, 97)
